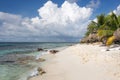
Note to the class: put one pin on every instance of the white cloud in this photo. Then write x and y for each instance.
(93, 4)
(117, 11)
(95, 20)
(65, 23)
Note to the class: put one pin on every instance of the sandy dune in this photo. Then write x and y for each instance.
(81, 62)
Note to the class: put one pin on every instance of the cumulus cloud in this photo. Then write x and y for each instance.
(117, 11)
(93, 4)
(65, 23)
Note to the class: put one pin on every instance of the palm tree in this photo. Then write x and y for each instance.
(115, 19)
(100, 19)
(104, 27)
(92, 27)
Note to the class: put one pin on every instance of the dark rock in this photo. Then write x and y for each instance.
(40, 60)
(84, 40)
(46, 50)
(107, 50)
(25, 59)
(40, 49)
(9, 58)
(91, 38)
(16, 59)
(53, 51)
(41, 71)
(104, 40)
(7, 62)
(117, 36)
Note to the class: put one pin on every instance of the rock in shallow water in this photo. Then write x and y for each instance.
(37, 72)
(53, 51)
(40, 71)
(9, 58)
(40, 49)
(16, 58)
(40, 60)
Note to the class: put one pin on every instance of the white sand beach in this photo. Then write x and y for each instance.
(81, 62)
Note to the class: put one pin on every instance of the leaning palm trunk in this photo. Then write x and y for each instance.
(110, 40)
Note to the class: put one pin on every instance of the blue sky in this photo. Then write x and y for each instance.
(49, 21)
(29, 7)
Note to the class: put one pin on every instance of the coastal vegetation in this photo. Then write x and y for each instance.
(106, 30)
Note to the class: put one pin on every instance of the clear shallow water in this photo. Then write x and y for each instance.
(18, 47)
(10, 71)
(13, 72)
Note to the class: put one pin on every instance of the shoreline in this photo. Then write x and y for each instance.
(81, 61)
(22, 65)
(43, 56)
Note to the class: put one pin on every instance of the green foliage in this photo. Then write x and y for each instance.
(92, 27)
(119, 21)
(105, 26)
(87, 33)
(105, 33)
(111, 21)
(101, 19)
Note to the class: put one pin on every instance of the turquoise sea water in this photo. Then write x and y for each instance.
(12, 50)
